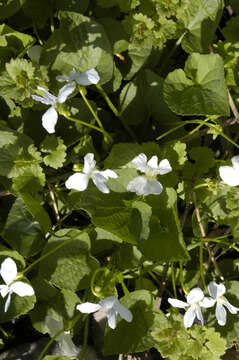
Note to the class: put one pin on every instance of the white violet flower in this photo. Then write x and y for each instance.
(216, 292)
(112, 307)
(79, 181)
(147, 184)
(195, 300)
(88, 77)
(49, 118)
(8, 272)
(64, 339)
(230, 174)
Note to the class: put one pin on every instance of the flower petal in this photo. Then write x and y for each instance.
(99, 181)
(189, 317)
(153, 162)
(7, 303)
(123, 311)
(47, 96)
(164, 167)
(221, 315)
(22, 289)
(88, 77)
(77, 181)
(216, 290)
(111, 316)
(89, 163)
(108, 302)
(199, 315)
(177, 303)
(62, 78)
(109, 174)
(235, 162)
(4, 290)
(8, 270)
(229, 175)
(230, 307)
(140, 162)
(153, 187)
(88, 307)
(42, 100)
(195, 295)
(207, 302)
(49, 120)
(65, 91)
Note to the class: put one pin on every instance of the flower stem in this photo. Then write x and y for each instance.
(86, 330)
(202, 265)
(93, 279)
(85, 124)
(173, 280)
(181, 278)
(49, 344)
(47, 254)
(91, 109)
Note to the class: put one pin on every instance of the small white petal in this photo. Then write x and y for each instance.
(47, 96)
(153, 187)
(88, 77)
(42, 100)
(77, 181)
(89, 163)
(4, 290)
(198, 312)
(221, 315)
(177, 303)
(88, 307)
(153, 162)
(229, 175)
(111, 316)
(164, 167)
(108, 302)
(8, 270)
(64, 92)
(99, 181)
(22, 289)
(123, 311)
(189, 317)
(235, 162)
(109, 174)
(207, 302)
(137, 185)
(49, 120)
(62, 78)
(216, 290)
(195, 295)
(140, 162)
(7, 303)
(230, 307)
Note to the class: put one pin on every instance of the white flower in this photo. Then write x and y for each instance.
(79, 181)
(8, 272)
(195, 300)
(88, 77)
(147, 184)
(64, 339)
(49, 118)
(216, 292)
(112, 307)
(230, 174)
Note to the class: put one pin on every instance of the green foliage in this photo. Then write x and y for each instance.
(56, 151)
(200, 89)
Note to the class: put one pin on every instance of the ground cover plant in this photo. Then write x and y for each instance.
(119, 161)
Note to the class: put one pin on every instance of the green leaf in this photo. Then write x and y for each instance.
(200, 89)
(200, 19)
(70, 264)
(230, 31)
(71, 5)
(56, 150)
(37, 11)
(19, 259)
(142, 98)
(13, 42)
(84, 39)
(165, 241)
(134, 336)
(21, 231)
(56, 357)
(10, 8)
(138, 56)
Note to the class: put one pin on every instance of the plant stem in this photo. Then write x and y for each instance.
(49, 344)
(202, 265)
(181, 278)
(91, 109)
(86, 330)
(47, 254)
(173, 280)
(85, 124)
